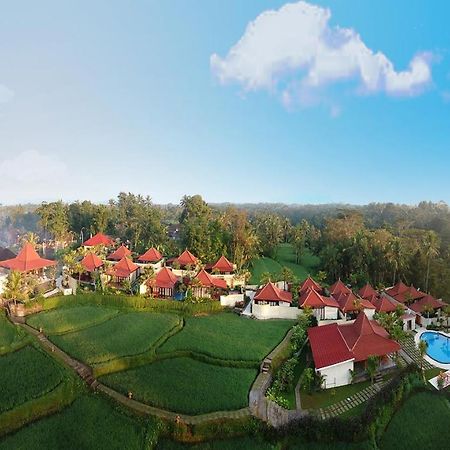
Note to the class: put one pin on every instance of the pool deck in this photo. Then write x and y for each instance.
(426, 357)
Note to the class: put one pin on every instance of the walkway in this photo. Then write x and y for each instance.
(350, 402)
(410, 348)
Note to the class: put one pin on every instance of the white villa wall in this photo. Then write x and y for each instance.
(156, 267)
(3, 279)
(331, 313)
(274, 312)
(231, 299)
(369, 313)
(337, 375)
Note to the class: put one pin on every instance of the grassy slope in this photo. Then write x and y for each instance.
(10, 335)
(228, 336)
(126, 334)
(70, 319)
(185, 385)
(89, 423)
(285, 258)
(26, 374)
(422, 422)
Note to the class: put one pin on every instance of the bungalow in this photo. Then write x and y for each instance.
(152, 257)
(339, 350)
(339, 288)
(404, 294)
(183, 264)
(309, 283)
(428, 310)
(125, 269)
(163, 284)
(271, 302)
(208, 286)
(350, 305)
(225, 269)
(368, 292)
(325, 308)
(119, 253)
(98, 239)
(90, 263)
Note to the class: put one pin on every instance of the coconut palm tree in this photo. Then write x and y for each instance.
(423, 345)
(15, 288)
(431, 250)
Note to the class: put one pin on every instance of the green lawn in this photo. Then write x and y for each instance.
(285, 257)
(63, 320)
(422, 422)
(10, 335)
(26, 374)
(185, 385)
(229, 336)
(89, 423)
(289, 395)
(329, 397)
(123, 335)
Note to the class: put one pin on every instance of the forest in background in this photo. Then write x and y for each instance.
(378, 242)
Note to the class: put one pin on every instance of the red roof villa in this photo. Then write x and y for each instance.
(324, 307)
(273, 296)
(309, 283)
(118, 254)
(339, 349)
(350, 305)
(27, 260)
(91, 262)
(125, 269)
(98, 239)
(163, 284)
(208, 285)
(151, 256)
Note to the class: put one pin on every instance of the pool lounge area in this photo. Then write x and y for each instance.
(438, 351)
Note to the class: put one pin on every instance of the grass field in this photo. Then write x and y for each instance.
(26, 374)
(422, 422)
(89, 423)
(285, 258)
(123, 335)
(228, 336)
(185, 385)
(10, 335)
(64, 320)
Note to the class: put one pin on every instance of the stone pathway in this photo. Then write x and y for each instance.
(410, 348)
(350, 402)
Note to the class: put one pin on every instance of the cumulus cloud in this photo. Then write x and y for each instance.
(6, 94)
(295, 51)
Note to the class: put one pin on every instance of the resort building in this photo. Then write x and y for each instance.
(225, 269)
(90, 263)
(162, 285)
(125, 269)
(339, 288)
(208, 286)
(152, 258)
(350, 305)
(271, 302)
(185, 264)
(342, 349)
(99, 239)
(325, 308)
(309, 283)
(119, 253)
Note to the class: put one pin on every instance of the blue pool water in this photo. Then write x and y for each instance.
(438, 346)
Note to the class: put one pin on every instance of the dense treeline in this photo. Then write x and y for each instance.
(380, 243)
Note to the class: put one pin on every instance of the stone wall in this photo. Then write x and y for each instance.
(275, 312)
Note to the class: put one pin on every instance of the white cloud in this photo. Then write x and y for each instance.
(6, 94)
(32, 167)
(295, 50)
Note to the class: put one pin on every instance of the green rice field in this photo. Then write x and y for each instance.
(26, 374)
(123, 335)
(64, 320)
(10, 335)
(91, 422)
(228, 336)
(185, 385)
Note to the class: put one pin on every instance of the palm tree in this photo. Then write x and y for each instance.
(15, 288)
(423, 345)
(372, 366)
(286, 275)
(431, 247)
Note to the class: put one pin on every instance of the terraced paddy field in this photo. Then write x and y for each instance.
(10, 335)
(228, 336)
(123, 335)
(25, 375)
(91, 422)
(185, 385)
(64, 320)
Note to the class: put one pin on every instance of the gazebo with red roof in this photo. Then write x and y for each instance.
(91, 262)
(385, 305)
(187, 259)
(151, 256)
(272, 295)
(27, 260)
(351, 305)
(367, 292)
(338, 288)
(98, 239)
(208, 285)
(119, 253)
(163, 284)
(223, 266)
(125, 269)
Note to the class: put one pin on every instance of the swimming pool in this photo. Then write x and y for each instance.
(438, 346)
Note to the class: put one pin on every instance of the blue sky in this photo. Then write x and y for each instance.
(174, 97)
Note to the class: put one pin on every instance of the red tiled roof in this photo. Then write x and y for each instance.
(187, 258)
(98, 239)
(151, 255)
(428, 300)
(383, 304)
(165, 278)
(396, 289)
(333, 344)
(367, 291)
(271, 293)
(208, 280)
(349, 302)
(309, 283)
(328, 346)
(124, 268)
(311, 298)
(338, 288)
(411, 293)
(118, 254)
(91, 261)
(223, 265)
(27, 260)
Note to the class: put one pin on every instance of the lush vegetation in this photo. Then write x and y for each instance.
(89, 423)
(228, 336)
(64, 320)
(26, 374)
(125, 334)
(185, 385)
(11, 336)
(422, 422)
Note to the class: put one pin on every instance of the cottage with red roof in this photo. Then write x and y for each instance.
(225, 269)
(125, 269)
(151, 258)
(271, 302)
(350, 305)
(339, 349)
(325, 308)
(310, 283)
(163, 284)
(98, 239)
(119, 253)
(206, 285)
